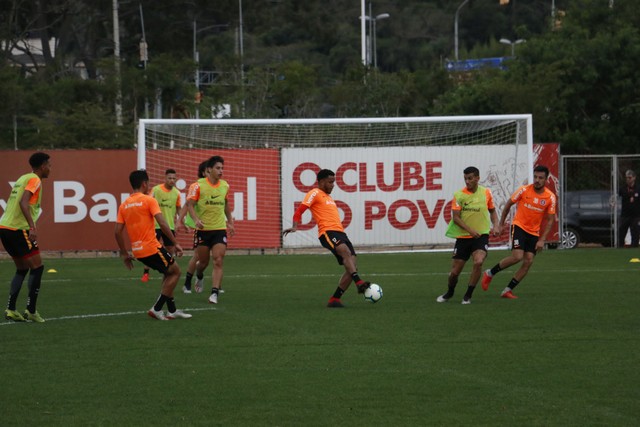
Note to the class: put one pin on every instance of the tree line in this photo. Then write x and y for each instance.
(577, 73)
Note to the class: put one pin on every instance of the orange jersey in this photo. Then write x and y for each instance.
(137, 214)
(324, 210)
(532, 207)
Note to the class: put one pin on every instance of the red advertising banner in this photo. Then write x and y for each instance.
(85, 188)
(254, 190)
(548, 154)
(82, 194)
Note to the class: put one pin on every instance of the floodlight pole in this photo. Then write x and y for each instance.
(455, 27)
(116, 60)
(363, 33)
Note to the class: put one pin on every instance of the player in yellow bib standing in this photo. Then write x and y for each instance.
(330, 233)
(473, 218)
(209, 208)
(168, 198)
(20, 237)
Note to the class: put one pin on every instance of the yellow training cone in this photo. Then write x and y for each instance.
(53, 270)
(634, 260)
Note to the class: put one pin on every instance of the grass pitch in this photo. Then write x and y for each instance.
(565, 353)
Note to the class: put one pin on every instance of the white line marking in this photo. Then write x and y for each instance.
(91, 316)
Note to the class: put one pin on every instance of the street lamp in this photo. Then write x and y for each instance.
(371, 48)
(196, 57)
(455, 28)
(375, 50)
(513, 44)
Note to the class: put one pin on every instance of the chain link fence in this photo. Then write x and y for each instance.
(589, 201)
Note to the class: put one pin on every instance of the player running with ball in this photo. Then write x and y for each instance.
(330, 233)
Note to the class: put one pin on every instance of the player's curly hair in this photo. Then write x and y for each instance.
(325, 173)
(137, 177)
(38, 159)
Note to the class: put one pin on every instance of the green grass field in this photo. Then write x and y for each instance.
(564, 354)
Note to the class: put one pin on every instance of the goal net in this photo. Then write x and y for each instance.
(395, 177)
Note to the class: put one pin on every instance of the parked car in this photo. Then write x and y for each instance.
(588, 218)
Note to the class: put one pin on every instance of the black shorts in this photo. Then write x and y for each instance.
(209, 238)
(17, 243)
(163, 239)
(160, 261)
(465, 247)
(522, 240)
(332, 239)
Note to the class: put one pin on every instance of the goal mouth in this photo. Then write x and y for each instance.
(395, 177)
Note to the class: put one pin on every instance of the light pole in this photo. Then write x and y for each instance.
(241, 36)
(513, 44)
(375, 36)
(455, 27)
(196, 58)
(116, 59)
(371, 51)
(144, 58)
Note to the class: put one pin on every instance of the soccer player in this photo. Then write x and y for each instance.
(185, 218)
(535, 204)
(137, 214)
(473, 218)
(630, 211)
(209, 208)
(168, 198)
(20, 237)
(330, 233)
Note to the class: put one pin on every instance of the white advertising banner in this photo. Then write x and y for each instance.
(395, 195)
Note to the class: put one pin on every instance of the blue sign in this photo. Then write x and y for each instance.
(477, 64)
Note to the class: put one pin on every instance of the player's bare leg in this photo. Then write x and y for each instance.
(33, 264)
(217, 255)
(171, 280)
(202, 255)
(452, 279)
(350, 274)
(169, 283)
(477, 258)
(191, 269)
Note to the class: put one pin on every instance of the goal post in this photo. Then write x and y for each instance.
(395, 177)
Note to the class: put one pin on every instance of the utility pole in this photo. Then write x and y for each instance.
(144, 57)
(241, 55)
(455, 28)
(116, 58)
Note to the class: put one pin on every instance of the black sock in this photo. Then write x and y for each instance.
(356, 279)
(171, 305)
(35, 279)
(469, 293)
(146, 271)
(214, 291)
(187, 280)
(160, 302)
(495, 269)
(199, 276)
(513, 283)
(451, 286)
(16, 285)
(338, 293)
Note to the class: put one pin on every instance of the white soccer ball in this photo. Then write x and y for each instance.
(373, 293)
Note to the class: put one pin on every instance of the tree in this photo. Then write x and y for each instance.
(580, 83)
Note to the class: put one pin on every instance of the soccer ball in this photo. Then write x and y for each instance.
(373, 293)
